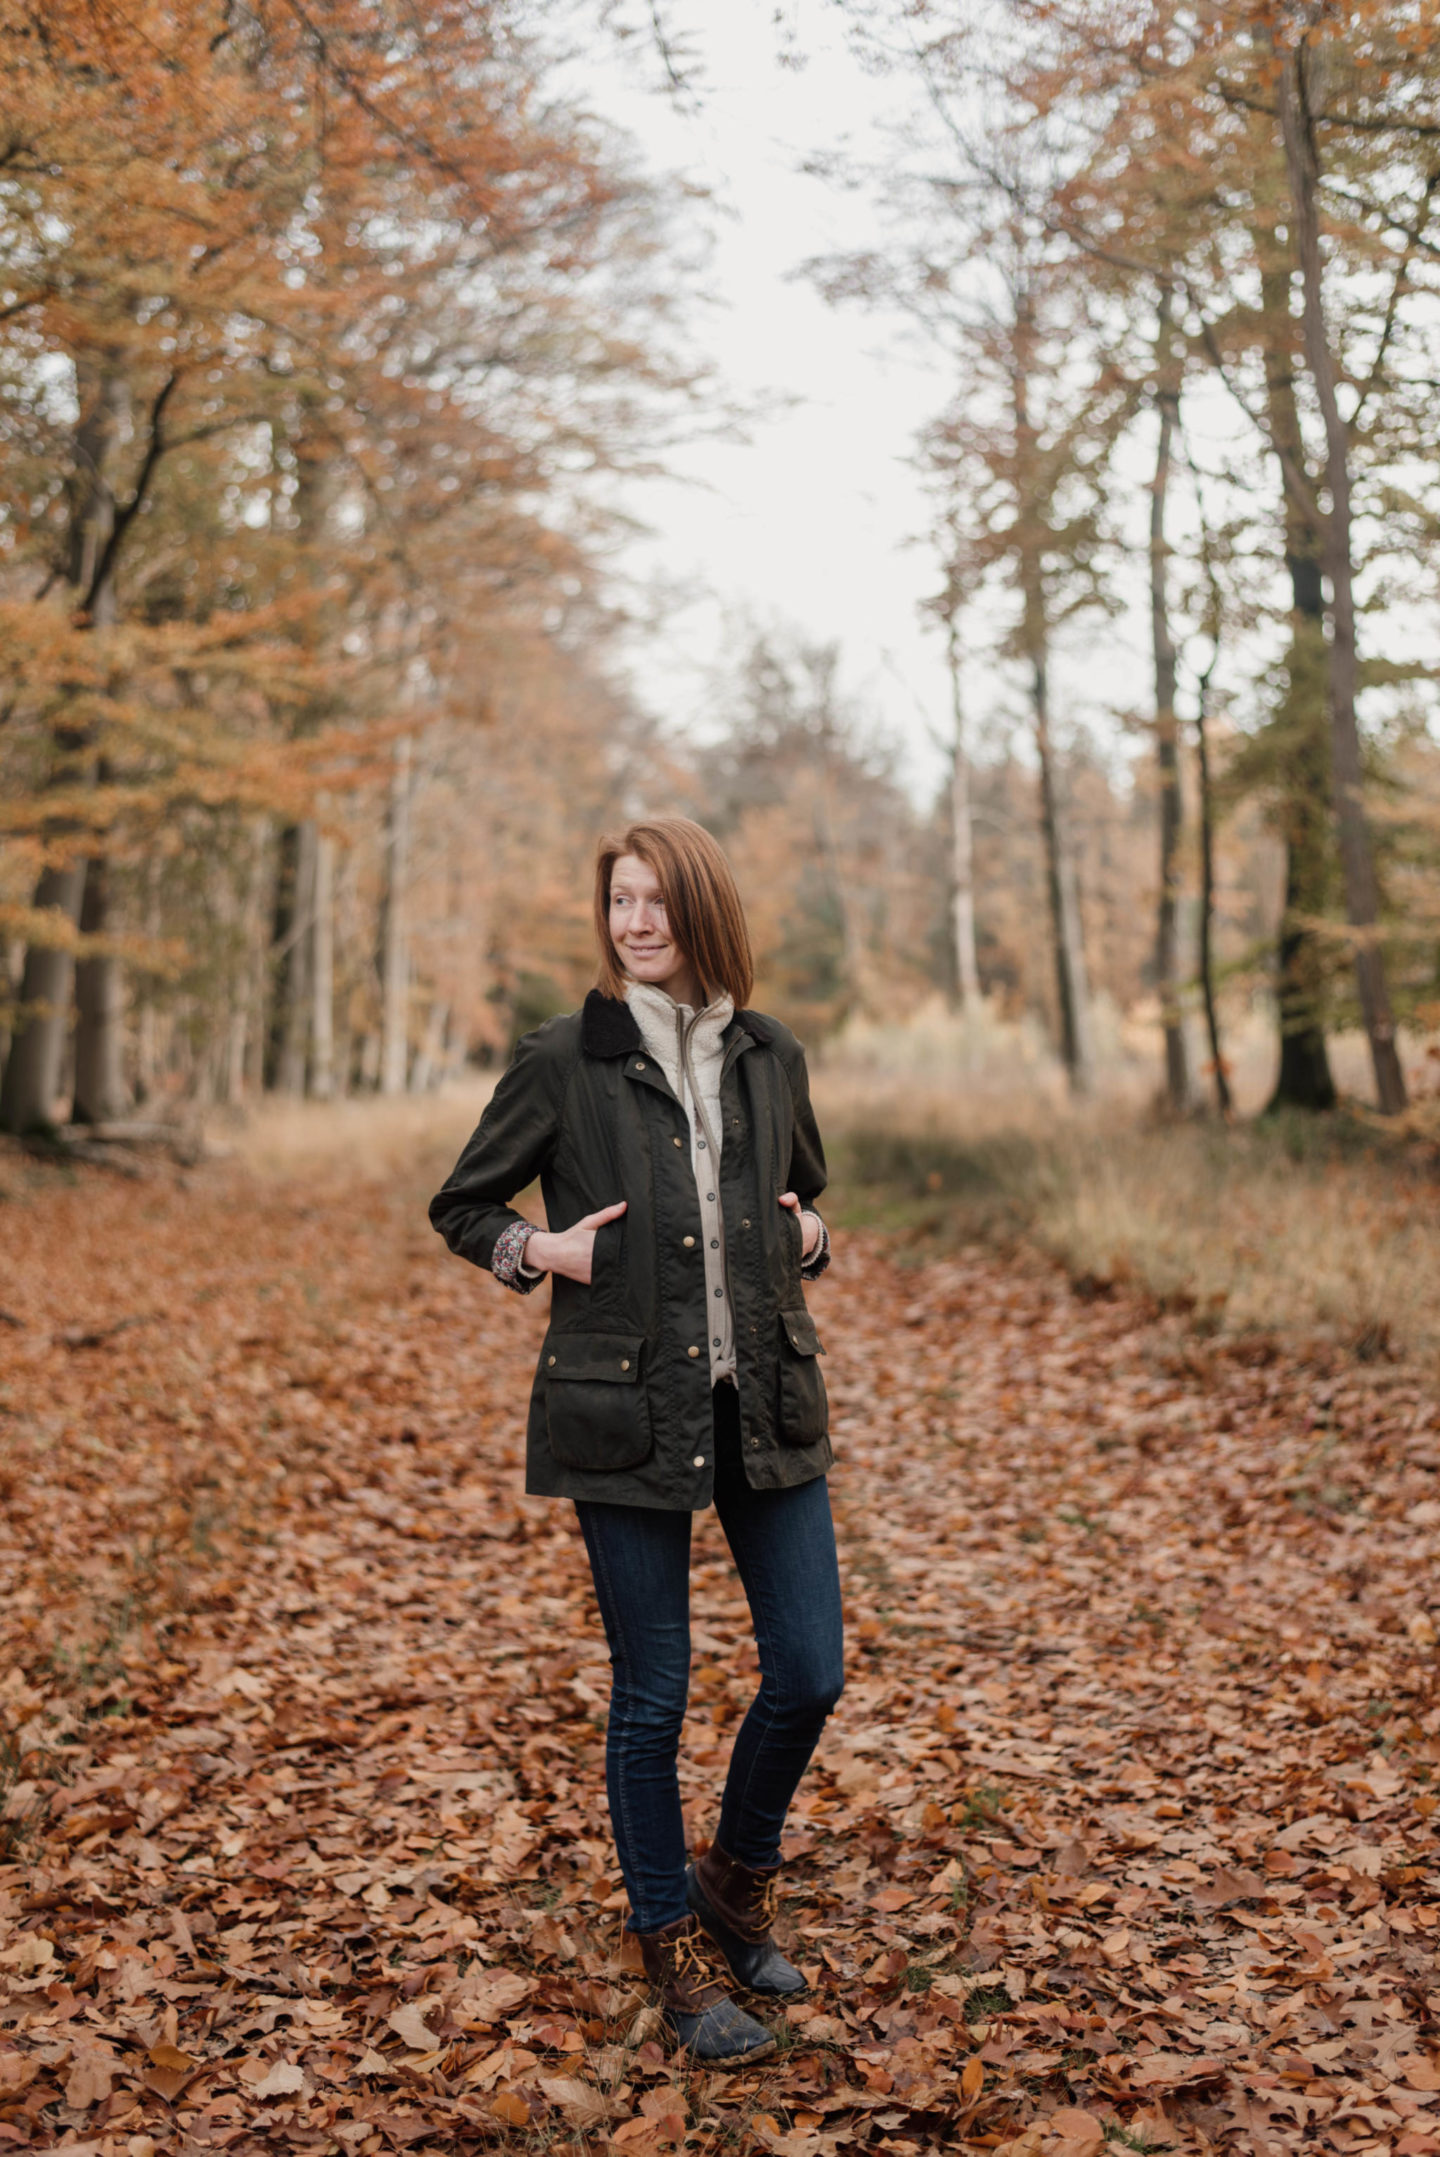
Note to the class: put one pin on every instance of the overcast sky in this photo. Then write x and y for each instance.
(810, 519)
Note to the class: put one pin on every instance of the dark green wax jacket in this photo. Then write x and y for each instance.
(620, 1410)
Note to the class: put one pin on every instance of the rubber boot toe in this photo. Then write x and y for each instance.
(758, 1965)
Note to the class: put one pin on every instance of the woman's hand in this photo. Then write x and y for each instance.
(572, 1251)
(809, 1225)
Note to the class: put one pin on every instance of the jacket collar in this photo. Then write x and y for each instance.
(608, 1028)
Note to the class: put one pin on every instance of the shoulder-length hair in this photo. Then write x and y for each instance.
(703, 907)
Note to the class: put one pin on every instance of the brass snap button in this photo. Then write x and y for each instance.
(689, 1243)
(677, 1141)
(692, 1351)
(550, 1359)
(639, 1063)
(624, 1363)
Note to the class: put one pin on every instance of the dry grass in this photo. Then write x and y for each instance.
(1326, 1226)
(365, 1137)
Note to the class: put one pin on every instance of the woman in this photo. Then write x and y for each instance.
(677, 1152)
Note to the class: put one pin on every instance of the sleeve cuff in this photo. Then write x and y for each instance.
(812, 1267)
(507, 1261)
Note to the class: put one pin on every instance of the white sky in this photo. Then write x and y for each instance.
(808, 520)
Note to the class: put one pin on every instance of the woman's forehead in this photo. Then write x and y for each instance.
(634, 874)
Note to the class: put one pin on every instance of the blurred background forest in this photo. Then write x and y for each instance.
(331, 339)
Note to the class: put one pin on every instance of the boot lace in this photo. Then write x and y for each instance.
(691, 1968)
(768, 1908)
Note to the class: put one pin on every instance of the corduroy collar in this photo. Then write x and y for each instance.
(608, 1028)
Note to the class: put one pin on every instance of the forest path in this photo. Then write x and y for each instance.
(1121, 1829)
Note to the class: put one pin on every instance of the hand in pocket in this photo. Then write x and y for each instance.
(572, 1250)
(809, 1224)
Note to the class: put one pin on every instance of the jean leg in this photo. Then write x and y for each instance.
(640, 1561)
(783, 1543)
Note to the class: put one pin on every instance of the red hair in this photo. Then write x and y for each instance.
(706, 917)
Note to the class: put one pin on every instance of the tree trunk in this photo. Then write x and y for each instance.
(294, 912)
(257, 961)
(32, 1069)
(322, 984)
(147, 1017)
(33, 1066)
(962, 838)
(394, 951)
(1066, 926)
(100, 1093)
(1362, 895)
(429, 1065)
(1167, 733)
(1071, 984)
(1207, 895)
(1304, 1079)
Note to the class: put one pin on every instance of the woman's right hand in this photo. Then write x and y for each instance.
(572, 1250)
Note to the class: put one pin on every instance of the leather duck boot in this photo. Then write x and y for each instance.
(698, 2011)
(737, 1908)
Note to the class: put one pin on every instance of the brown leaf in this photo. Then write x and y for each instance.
(408, 2022)
(582, 2104)
(90, 2079)
(489, 1994)
(1080, 2132)
(1173, 2070)
(285, 2079)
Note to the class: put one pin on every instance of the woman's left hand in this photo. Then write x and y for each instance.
(809, 1224)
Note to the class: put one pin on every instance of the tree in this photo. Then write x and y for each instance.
(1197, 116)
(345, 305)
(1168, 368)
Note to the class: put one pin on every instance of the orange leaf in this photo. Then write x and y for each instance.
(507, 2105)
(972, 2081)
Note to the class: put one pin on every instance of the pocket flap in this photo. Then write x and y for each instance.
(800, 1332)
(612, 1356)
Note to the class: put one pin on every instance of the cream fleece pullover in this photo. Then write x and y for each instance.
(688, 1047)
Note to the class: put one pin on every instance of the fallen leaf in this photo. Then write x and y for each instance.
(31, 1952)
(582, 2104)
(285, 2079)
(489, 1994)
(1173, 2070)
(408, 2022)
(1079, 2131)
(90, 2080)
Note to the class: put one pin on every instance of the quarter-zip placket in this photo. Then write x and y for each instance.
(720, 1317)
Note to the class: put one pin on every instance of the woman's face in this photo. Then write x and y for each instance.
(641, 934)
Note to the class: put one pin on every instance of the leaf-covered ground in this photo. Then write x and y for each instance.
(1123, 1830)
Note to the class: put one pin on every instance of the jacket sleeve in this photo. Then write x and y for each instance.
(807, 1178)
(510, 1146)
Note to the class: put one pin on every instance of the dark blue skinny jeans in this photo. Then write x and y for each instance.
(783, 1543)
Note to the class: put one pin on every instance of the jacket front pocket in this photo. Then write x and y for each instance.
(804, 1410)
(596, 1414)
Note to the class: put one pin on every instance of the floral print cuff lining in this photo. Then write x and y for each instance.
(508, 1260)
(812, 1267)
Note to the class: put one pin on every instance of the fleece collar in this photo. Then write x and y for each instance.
(608, 1028)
